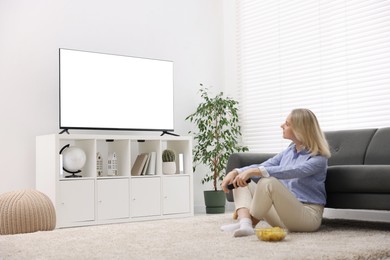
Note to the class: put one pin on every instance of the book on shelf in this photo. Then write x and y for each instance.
(146, 164)
(139, 164)
(151, 167)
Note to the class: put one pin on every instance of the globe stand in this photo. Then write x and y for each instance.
(73, 174)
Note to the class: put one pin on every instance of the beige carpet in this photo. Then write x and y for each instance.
(198, 238)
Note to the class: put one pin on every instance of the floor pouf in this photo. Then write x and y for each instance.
(26, 211)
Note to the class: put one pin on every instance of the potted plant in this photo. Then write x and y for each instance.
(169, 164)
(216, 138)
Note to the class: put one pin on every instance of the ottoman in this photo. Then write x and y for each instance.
(26, 211)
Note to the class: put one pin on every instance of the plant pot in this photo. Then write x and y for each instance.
(169, 167)
(215, 201)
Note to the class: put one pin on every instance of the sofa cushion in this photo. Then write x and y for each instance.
(348, 147)
(371, 201)
(378, 151)
(358, 178)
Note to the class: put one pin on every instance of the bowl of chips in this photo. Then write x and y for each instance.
(271, 234)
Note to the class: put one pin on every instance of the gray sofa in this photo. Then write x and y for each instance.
(358, 175)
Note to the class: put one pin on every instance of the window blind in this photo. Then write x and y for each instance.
(332, 57)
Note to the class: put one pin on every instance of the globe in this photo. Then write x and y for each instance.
(74, 159)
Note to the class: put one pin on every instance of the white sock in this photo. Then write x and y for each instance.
(230, 227)
(246, 228)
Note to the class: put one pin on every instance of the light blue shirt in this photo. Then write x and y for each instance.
(303, 174)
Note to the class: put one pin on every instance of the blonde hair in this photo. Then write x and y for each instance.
(307, 130)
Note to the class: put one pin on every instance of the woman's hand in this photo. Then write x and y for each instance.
(239, 180)
(229, 178)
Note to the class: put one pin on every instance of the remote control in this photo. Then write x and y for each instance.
(231, 186)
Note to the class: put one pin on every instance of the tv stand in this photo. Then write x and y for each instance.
(168, 133)
(95, 196)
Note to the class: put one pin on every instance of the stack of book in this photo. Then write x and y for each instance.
(145, 164)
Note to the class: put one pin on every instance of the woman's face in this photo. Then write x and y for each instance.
(287, 129)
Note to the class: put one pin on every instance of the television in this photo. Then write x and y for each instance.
(101, 91)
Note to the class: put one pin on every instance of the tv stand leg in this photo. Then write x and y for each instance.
(64, 131)
(168, 133)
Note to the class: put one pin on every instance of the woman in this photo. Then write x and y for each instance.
(290, 191)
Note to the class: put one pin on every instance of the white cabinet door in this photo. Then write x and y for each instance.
(76, 201)
(113, 199)
(145, 197)
(176, 195)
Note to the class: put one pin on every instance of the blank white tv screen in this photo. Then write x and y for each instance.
(114, 92)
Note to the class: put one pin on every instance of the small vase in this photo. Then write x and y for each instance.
(169, 167)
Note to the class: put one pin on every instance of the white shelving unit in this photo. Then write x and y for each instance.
(93, 199)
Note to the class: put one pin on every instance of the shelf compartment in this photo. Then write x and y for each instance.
(88, 146)
(107, 148)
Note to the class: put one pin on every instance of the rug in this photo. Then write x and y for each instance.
(198, 237)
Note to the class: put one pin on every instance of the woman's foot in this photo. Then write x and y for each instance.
(246, 228)
(242, 228)
(230, 227)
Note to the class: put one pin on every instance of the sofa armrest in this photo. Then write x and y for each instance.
(238, 160)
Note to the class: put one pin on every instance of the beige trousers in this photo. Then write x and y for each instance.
(271, 201)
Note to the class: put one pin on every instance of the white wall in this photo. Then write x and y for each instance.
(189, 32)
